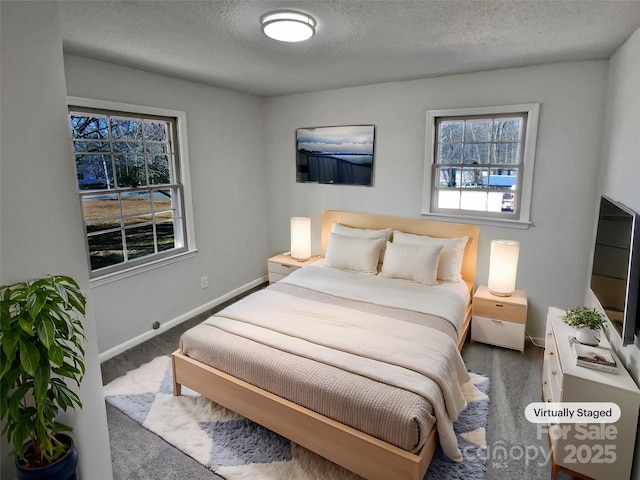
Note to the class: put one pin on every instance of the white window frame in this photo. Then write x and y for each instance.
(523, 219)
(185, 180)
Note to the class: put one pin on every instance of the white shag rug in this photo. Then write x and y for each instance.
(238, 449)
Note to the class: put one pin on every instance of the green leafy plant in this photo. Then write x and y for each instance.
(41, 338)
(584, 317)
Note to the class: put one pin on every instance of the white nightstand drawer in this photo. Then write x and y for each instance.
(281, 268)
(275, 277)
(498, 332)
(500, 310)
(281, 265)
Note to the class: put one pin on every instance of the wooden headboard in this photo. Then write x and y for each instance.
(416, 226)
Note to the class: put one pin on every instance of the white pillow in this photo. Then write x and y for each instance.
(363, 233)
(450, 264)
(353, 253)
(418, 263)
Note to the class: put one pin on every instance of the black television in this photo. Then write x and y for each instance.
(615, 275)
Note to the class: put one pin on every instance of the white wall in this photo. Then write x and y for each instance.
(40, 227)
(242, 157)
(552, 267)
(228, 183)
(621, 159)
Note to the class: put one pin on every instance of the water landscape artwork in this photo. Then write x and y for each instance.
(341, 155)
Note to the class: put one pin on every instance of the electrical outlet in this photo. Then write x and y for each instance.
(204, 281)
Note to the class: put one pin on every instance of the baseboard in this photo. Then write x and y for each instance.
(123, 347)
(537, 341)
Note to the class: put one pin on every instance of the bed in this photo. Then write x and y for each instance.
(339, 361)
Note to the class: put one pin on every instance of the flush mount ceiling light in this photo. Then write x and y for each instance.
(288, 25)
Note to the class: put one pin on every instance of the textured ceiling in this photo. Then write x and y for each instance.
(358, 42)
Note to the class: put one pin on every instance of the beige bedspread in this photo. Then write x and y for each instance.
(383, 370)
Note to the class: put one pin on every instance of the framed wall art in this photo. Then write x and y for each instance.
(341, 155)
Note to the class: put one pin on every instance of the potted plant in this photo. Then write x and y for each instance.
(41, 338)
(587, 322)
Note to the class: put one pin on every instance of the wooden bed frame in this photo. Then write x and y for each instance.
(356, 451)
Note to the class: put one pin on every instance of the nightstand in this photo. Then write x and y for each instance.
(282, 265)
(499, 321)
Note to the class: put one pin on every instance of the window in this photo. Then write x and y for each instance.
(479, 163)
(132, 182)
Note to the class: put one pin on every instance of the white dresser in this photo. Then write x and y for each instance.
(598, 451)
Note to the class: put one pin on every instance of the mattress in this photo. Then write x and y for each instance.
(376, 354)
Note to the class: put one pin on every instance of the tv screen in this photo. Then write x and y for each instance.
(615, 276)
(340, 155)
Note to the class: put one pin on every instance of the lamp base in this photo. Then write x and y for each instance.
(301, 259)
(500, 294)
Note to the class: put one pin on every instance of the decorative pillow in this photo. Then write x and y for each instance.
(450, 264)
(418, 263)
(353, 253)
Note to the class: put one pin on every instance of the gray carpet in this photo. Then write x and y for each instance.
(515, 382)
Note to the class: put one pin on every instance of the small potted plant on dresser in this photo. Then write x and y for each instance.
(587, 322)
(41, 338)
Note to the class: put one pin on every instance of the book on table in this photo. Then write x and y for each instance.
(595, 357)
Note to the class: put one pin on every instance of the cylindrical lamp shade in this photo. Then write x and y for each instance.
(301, 238)
(503, 267)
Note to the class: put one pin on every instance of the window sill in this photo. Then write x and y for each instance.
(137, 270)
(492, 222)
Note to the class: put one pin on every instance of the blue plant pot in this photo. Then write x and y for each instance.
(64, 469)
